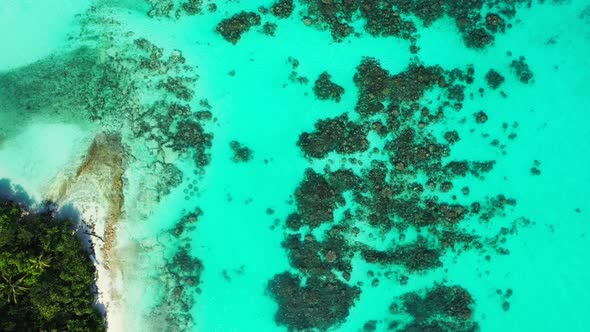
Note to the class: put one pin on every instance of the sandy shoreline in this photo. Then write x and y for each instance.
(93, 194)
(108, 276)
(85, 184)
(88, 190)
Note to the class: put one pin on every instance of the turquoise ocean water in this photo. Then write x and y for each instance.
(237, 239)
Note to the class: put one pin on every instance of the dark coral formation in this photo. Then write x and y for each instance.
(325, 89)
(481, 117)
(383, 21)
(414, 257)
(189, 134)
(181, 277)
(316, 304)
(494, 79)
(241, 152)
(338, 134)
(377, 86)
(269, 28)
(231, 29)
(319, 258)
(334, 15)
(282, 8)
(316, 199)
(441, 308)
(187, 223)
(477, 38)
(339, 17)
(495, 23)
(175, 126)
(161, 8)
(178, 86)
(192, 7)
(521, 70)
(395, 17)
(452, 136)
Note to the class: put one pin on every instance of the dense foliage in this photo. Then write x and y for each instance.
(46, 276)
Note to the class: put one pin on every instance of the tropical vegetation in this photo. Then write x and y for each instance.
(46, 276)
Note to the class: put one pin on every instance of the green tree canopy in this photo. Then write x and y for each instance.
(46, 276)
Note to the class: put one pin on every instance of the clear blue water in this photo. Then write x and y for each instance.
(263, 109)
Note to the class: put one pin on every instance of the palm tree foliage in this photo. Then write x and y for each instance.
(46, 276)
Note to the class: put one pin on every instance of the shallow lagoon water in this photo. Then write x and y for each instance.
(261, 108)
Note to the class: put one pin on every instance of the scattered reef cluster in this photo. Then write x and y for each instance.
(521, 70)
(477, 21)
(241, 153)
(181, 275)
(385, 170)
